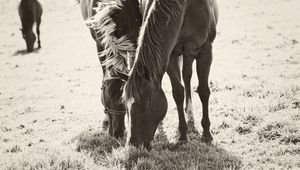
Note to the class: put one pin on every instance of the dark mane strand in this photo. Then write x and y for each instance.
(116, 50)
(149, 53)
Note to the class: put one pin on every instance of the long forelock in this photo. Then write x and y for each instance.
(149, 53)
(116, 50)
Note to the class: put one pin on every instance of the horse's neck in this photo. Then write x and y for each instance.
(131, 16)
(160, 31)
(143, 7)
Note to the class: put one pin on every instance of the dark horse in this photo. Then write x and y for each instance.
(30, 12)
(114, 25)
(170, 28)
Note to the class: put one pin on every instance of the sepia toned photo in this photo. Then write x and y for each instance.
(149, 84)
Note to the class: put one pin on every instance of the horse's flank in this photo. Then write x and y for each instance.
(149, 55)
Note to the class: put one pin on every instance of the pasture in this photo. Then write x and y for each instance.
(51, 113)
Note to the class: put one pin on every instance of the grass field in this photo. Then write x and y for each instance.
(50, 109)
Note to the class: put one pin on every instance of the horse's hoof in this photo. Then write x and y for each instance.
(182, 139)
(207, 139)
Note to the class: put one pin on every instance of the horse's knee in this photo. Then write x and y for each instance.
(204, 92)
(187, 75)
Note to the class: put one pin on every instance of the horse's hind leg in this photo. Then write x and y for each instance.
(38, 22)
(178, 94)
(187, 71)
(203, 67)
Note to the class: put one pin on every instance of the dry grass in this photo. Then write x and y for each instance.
(112, 154)
(49, 97)
(49, 158)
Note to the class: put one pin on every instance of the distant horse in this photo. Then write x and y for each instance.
(30, 12)
(170, 28)
(114, 25)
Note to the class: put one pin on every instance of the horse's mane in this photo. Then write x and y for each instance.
(149, 53)
(116, 50)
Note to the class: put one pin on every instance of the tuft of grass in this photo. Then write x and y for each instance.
(164, 155)
(224, 125)
(50, 158)
(193, 155)
(278, 107)
(144, 164)
(97, 143)
(295, 117)
(290, 139)
(15, 149)
(251, 120)
(243, 129)
(270, 132)
(285, 133)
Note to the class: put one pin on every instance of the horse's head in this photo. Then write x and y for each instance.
(145, 112)
(115, 25)
(112, 89)
(29, 38)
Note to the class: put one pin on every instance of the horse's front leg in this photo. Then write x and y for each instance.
(203, 67)
(178, 94)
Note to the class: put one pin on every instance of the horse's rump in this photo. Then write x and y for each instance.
(29, 11)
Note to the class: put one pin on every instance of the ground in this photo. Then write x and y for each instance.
(50, 97)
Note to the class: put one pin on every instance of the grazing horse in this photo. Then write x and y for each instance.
(30, 12)
(170, 28)
(114, 25)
